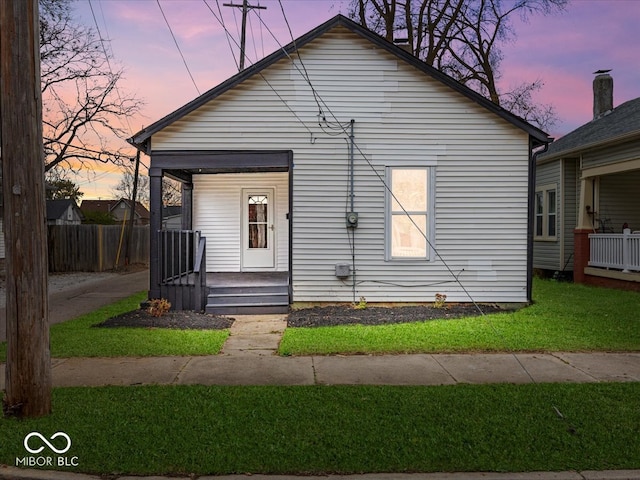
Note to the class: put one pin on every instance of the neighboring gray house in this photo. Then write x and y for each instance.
(63, 212)
(587, 194)
(341, 167)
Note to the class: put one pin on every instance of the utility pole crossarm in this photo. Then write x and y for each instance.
(243, 35)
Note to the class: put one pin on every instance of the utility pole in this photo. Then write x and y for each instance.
(132, 212)
(243, 35)
(28, 369)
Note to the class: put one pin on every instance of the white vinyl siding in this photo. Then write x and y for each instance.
(217, 208)
(402, 117)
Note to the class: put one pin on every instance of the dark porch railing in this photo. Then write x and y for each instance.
(183, 268)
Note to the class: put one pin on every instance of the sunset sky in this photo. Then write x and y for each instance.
(562, 50)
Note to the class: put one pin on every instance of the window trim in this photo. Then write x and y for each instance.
(544, 190)
(429, 212)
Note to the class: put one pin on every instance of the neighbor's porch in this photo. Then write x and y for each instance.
(607, 240)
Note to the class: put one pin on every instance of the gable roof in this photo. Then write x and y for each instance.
(623, 122)
(57, 208)
(140, 140)
(140, 210)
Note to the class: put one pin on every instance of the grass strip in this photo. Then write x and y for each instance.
(340, 429)
(78, 337)
(564, 317)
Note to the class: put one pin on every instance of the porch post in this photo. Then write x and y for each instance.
(187, 206)
(586, 208)
(155, 225)
(581, 251)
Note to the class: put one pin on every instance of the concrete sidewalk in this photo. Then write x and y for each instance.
(425, 369)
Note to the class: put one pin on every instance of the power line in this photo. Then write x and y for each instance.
(107, 57)
(226, 32)
(178, 47)
(267, 82)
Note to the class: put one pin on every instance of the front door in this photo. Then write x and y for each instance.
(258, 229)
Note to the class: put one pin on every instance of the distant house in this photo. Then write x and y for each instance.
(587, 202)
(119, 209)
(63, 212)
(340, 167)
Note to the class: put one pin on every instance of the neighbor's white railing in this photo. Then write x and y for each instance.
(615, 250)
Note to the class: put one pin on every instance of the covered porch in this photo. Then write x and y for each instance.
(211, 263)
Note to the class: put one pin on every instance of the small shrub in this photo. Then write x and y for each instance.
(158, 307)
(361, 305)
(440, 301)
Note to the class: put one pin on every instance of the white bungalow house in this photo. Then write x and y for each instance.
(587, 197)
(341, 167)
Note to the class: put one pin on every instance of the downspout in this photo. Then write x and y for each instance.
(531, 214)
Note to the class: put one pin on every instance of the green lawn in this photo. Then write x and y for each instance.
(564, 317)
(78, 337)
(317, 430)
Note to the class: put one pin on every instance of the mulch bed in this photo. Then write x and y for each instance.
(347, 315)
(307, 317)
(184, 320)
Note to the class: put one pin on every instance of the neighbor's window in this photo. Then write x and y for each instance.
(545, 212)
(408, 213)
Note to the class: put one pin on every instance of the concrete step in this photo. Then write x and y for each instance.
(248, 300)
(244, 309)
(249, 289)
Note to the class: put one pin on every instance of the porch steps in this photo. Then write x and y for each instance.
(248, 300)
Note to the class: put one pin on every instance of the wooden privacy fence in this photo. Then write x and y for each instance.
(94, 248)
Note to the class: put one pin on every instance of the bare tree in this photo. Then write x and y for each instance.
(82, 104)
(462, 38)
(124, 188)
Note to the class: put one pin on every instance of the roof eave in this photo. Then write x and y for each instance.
(570, 152)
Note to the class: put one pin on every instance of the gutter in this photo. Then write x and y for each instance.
(533, 158)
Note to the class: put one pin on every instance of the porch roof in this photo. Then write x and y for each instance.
(621, 124)
(141, 140)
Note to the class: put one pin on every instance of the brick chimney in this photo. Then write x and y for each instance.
(602, 93)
